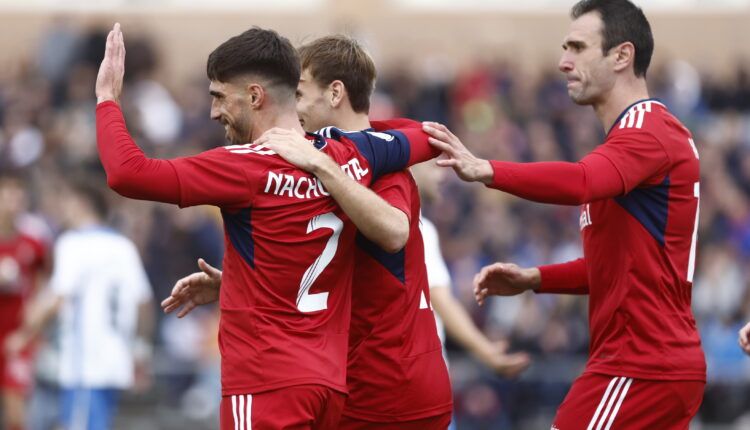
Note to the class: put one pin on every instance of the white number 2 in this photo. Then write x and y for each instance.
(697, 195)
(307, 302)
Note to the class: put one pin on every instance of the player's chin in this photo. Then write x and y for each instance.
(578, 98)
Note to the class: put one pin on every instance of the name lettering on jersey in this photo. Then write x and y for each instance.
(585, 219)
(282, 184)
(636, 114)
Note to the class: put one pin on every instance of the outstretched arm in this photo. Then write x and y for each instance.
(564, 278)
(593, 178)
(507, 279)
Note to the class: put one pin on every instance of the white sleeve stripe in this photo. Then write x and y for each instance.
(631, 117)
(636, 114)
(641, 114)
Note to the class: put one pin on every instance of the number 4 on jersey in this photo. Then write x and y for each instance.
(307, 302)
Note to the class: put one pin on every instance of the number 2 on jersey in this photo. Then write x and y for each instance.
(307, 302)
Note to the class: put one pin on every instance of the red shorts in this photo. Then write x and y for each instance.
(301, 407)
(439, 422)
(602, 402)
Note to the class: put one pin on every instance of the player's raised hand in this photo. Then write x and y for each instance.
(112, 69)
(503, 363)
(744, 338)
(292, 147)
(467, 166)
(196, 289)
(504, 279)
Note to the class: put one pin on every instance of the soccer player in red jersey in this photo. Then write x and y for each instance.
(288, 264)
(396, 375)
(23, 262)
(638, 193)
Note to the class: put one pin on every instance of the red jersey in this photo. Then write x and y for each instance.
(639, 221)
(22, 259)
(393, 343)
(285, 297)
(640, 251)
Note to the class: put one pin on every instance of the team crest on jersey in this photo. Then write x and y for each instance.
(585, 219)
(249, 148)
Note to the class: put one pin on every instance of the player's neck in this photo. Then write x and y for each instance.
(619, 99)
(286, 119)
(352, 121)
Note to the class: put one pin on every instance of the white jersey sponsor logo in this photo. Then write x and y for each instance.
(585, 219)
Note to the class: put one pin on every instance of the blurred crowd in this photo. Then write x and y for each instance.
(47, 133)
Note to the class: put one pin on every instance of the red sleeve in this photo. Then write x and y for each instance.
(394, 189)
(214, 177)
(637, 155)
(217, 177)
(592, 178)
(613, 169)
(565, 278)
(420, 148)
(129, 171)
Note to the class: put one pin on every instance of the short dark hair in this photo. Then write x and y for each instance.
(342, 58)
(622, 22)
(256, 51)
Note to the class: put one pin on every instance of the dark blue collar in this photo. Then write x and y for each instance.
(318, 141)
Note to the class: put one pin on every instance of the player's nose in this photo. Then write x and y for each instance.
(565, 64)
(215, 114)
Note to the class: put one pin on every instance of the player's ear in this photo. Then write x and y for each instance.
(256, 94)
(624, 55)
(338, 91)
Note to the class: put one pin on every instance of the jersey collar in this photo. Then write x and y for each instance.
(624, 112)
(318, 141)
